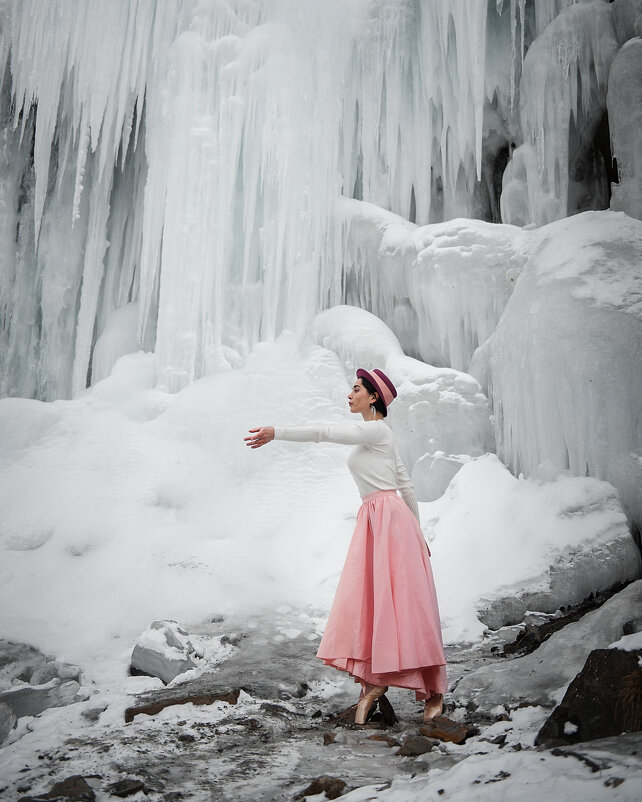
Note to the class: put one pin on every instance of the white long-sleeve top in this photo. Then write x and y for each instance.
(374, 463)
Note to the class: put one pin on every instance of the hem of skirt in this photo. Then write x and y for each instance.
(393, 678)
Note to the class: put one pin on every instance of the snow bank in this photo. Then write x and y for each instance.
(128, 504)
(502, 546)
(437, 412)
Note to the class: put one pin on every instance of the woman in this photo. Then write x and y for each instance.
(384, 625)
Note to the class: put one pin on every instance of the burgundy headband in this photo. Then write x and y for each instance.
(382, 384)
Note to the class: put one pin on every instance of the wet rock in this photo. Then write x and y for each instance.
(93, 713)
(332, 786)
(415, 745)
(7, 720)
(604, 699)
(379, 736)
(164, 650)
(73, 788)
(446, 729)
(387, 711)
(329, 738)
(126, 787)
(154, 703)
(31, 700)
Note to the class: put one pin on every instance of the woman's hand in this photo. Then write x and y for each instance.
(260, 437)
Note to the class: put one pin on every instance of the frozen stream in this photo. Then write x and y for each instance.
(274, 741)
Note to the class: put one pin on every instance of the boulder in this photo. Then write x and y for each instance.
(31, 700)
(415, 745)
(446, 729)
(332, 786)
(604, 699)
(164, 650)
(538, 677)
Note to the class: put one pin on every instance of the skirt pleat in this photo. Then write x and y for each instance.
(384, 626)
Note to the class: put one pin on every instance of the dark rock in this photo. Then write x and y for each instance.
(156, 702)
(233, 638)
(126, 787)
(415, 745)
(332, 786)
(445, 729)
(73, 788)
(31, 700)
(604, 699)
(534, 635)
(387, 711)
(328, 738)
(379, 736)
(632, 626)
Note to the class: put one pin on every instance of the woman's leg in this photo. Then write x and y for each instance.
(434, 706)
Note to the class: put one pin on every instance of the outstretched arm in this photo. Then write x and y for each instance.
(260, 437)
(365, 433)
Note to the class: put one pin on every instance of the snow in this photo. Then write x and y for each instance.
(548, 321)
(146, 505)
(555, 539)
(628, 643)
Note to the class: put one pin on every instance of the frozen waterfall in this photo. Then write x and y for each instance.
(195, 177)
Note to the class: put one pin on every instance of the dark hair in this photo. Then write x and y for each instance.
(378, 404)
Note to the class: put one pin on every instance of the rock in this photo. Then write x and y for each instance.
(154, 703)
(21, 661)
(164, 650)
(604, 699)
(93, 713)
(379, 736)
(536, 677)
(328, 738)
(126, 787)
(446, 729)
(7, 720)
(415, 745)
(332, 786)
(72, 788)
(31, 700)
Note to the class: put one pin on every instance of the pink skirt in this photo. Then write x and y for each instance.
(384, 624)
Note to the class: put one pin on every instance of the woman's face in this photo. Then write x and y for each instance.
(359, 399)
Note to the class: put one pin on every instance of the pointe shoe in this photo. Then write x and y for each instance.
(433, 707)
(366, 702)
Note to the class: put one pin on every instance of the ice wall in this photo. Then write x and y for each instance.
(187, 156)
(549, 321)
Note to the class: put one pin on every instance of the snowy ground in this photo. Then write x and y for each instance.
(270, 745)
(128, 505)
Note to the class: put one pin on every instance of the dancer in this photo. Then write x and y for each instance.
(383, 627)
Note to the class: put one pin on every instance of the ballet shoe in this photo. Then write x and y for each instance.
(366, 702)
(433, 707)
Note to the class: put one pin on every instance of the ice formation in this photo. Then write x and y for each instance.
(548, 320)
(189, 156)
